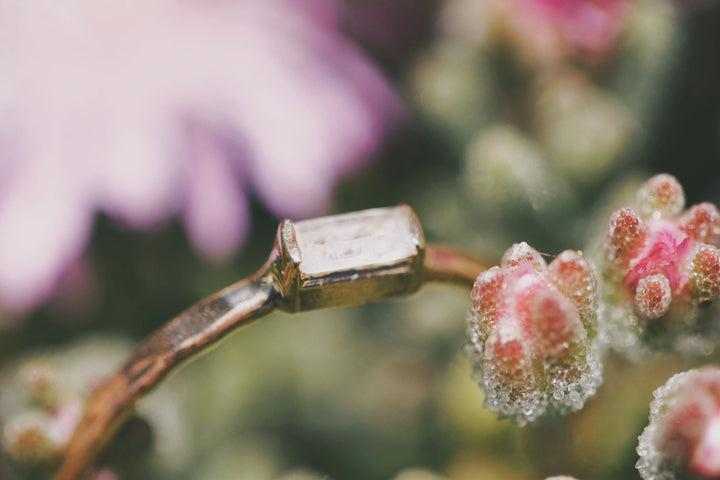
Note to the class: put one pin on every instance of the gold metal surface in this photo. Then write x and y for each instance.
(338, 260)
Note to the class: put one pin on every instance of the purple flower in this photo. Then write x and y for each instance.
(145, 110)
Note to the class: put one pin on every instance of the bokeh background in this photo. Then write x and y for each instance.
(147, 152)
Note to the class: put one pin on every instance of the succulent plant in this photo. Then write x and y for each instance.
(683, 437)
(533, 334)
(41, 402)
(661, 271)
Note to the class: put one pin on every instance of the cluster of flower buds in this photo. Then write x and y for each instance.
(683, 437)
(41, 402)
(661, 271)
(533, 331)
(37, 415)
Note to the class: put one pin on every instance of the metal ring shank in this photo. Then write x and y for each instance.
(197, 329)
(189, 334)
(450, 265)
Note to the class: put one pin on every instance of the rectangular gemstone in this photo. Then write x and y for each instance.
(356, 241)
(352, 258)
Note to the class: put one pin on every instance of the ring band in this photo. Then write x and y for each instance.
(337, 260)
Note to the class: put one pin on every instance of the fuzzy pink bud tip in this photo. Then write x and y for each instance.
(706, 273)
(661, 196)
(532, 331)
(510, 358)
(702, 223)
(554, 320)
(574, 277)
(484, 295)
(521, 253)
(653, 295)
(625, 233)
(683, 436)
(659, 267)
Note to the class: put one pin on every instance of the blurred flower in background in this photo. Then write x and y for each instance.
(542, 32)
(144, 111)
(544, 101)
(41, 400)
(590, 24)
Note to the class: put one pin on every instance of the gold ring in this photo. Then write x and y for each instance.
(337, 260)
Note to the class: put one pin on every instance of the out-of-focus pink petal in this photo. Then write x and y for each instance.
(136, 174)
(109, 86)
(328, 111)
(215, 210)
(44, 224)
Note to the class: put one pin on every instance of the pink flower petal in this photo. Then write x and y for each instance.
(44, 224)
(216, 210)
(104, 89)
(136, 178)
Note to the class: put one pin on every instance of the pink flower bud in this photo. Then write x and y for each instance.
(533, 329)
(486, 289)
(661, 196)
(661, 271)
(706, 273)
(683, 437)
(522, 252)
(702, 223)
(625, 234)
(572, 275)
(653, 295)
